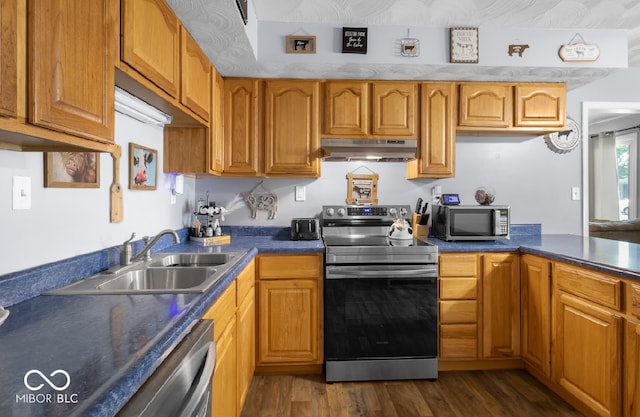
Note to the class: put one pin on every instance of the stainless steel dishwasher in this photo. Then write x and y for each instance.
(181, 386)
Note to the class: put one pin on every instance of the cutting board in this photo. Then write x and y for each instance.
(116, 189)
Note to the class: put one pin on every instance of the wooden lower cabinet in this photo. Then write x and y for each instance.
(588, 353)
(289, 319)
(501, 305)
(225, 377)
(535, 305)
(233, 314)
(631, 369)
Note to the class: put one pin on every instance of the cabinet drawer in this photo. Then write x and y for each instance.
(458, 311)
(246, 281)
(458, 265)
(290, 266)
(222, 311)
(458, 288)
(593, 286)
(458, 341)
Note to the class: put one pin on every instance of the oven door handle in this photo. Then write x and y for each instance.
(337, 273)
(201, 389)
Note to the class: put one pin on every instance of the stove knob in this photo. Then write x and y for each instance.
(393, 212)
(330, 212)
(403, 211)
(342, 211)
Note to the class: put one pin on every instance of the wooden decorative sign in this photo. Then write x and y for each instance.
(300, 44)
(362, 189)
(577, 50)
(463, 47)
(354, 40)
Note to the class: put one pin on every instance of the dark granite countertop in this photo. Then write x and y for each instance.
(107, 344)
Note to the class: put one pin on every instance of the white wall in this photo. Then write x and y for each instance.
(524, 172)
(66, 222)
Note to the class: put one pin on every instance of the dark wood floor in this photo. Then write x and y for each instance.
(454, 394)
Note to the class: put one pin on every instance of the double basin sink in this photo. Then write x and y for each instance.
(165, 273)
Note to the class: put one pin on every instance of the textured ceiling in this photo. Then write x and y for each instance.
(217, 27)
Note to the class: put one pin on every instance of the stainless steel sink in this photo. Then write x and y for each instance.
(158, 279)
(164, 274)
(194, 259)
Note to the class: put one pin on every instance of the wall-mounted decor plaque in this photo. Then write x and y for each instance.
(354, 40)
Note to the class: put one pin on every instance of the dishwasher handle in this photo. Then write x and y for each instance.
(202, 389)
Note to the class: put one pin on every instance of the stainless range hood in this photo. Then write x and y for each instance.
(383, 150)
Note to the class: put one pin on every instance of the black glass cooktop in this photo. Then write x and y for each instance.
(369, 241)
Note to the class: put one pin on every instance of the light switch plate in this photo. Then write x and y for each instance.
(575, 193)
(21, 193)
(301, 193)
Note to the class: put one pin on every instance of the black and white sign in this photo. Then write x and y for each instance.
(354, 40)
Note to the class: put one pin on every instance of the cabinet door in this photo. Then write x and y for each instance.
(8, 58)
(288, 330)
(485, 105)
(631, 368)
(292, 136)
(246, 318)
(72, 66)
(195, 91)
(501, 305)
(535, 282)
(241, 127)
(436, 146)
(216, 132)
(540, 105)
(587, 353)
(225, 377)
(346, 108)
(394, 109)
(150, 42)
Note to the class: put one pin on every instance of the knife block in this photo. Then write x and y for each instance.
(419, 230)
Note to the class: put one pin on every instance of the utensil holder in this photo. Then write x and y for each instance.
(419, 230)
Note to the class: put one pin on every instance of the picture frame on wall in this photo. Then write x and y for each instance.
(463, 46)
(72, 169)
(143, 167)
(362, 189)
(354, 40)
(300, 44)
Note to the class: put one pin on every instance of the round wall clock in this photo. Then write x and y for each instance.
(565, 140)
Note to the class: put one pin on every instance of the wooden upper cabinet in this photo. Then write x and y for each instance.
(150, 42)
(242, 134)
(436, 146)
(8, 58)
(216, 140)
(376, 109)
(524, 107)
(485, 105)
(540, 105)
(394, 108)
(72, 66)
(195, 77)
(346, 108)
(291, 131)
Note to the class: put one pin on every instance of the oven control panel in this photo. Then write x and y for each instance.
(380, 212)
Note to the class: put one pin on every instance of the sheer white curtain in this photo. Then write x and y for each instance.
(603, 177)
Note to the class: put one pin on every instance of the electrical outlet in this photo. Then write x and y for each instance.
(21, 193)
(575, 193)
(301, 193)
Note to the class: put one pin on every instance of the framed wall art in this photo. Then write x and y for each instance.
(300, 44)
(354, 40)
(463, 46)
(362, 189)
(143, 167)
(72, 169)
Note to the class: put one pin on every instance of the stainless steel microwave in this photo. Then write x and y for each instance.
(470, 222)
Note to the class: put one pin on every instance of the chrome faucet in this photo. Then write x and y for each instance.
(125, 251)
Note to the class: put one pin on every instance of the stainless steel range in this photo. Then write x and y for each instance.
(380, 297)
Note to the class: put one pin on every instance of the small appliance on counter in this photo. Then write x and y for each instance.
(452, 221)
(305, 229)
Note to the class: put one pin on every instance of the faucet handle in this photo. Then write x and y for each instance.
(126, 242)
